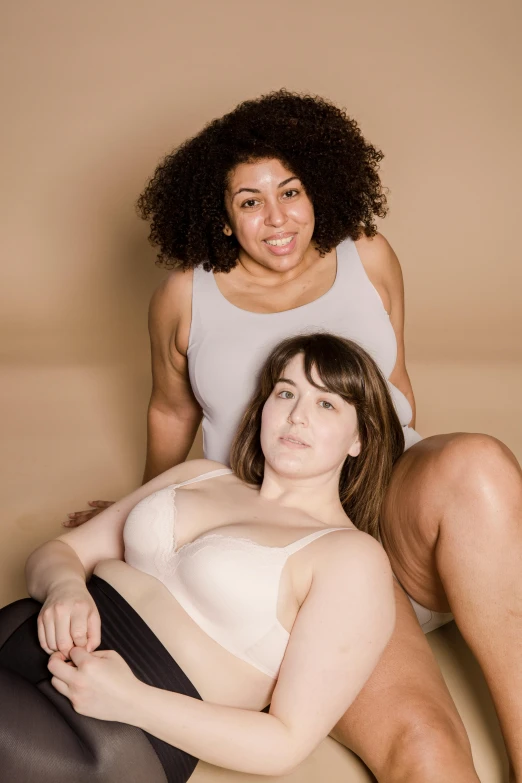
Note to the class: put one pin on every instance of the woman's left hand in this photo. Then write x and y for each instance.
(98, 684)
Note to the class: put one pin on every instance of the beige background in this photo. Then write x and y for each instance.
(95, 93)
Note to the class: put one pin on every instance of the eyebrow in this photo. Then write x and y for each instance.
(316, 385)
(255, 190)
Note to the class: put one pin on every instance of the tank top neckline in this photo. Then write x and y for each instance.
(299, 308)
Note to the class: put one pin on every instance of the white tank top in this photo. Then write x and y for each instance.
(228, 345)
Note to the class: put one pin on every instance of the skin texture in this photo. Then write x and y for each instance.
(287, 427)
(348, 576)
(451, 523)
(278, 206)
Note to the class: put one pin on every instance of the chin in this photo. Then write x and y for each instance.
(288, 466)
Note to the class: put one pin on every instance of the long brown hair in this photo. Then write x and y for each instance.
(347, 370)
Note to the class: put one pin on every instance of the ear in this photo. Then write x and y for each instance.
(227, 230)
(355, 448)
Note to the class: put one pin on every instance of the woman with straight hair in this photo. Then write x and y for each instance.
(267, 218)
(178, 614)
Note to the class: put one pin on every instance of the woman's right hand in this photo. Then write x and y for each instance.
(69, 618)
(78, 518)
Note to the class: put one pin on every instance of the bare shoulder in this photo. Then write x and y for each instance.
(379, 259)
(172, 295)
(170, 311)
(383, 269)
(348, 553)
(195, 467)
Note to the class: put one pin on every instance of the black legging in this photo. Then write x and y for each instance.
(42, 738)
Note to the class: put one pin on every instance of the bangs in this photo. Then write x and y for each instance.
(336, 365)
(343, 368)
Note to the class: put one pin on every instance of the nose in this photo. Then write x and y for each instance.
(298, 414)
(275, 214)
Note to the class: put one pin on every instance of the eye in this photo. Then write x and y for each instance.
(290, 193)
(285, 395)
(326, 405)
(249, 203)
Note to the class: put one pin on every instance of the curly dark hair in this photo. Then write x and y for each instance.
(314, 139)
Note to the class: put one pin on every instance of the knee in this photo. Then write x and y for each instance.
(466, 451)
(476, 467)
(428, 745)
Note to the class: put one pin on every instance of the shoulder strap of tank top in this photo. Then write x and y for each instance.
(203, 279)
(203, 477)
(209, 306)
(302, 542)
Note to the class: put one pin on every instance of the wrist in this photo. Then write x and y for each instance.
(68, 582)
(137, 707)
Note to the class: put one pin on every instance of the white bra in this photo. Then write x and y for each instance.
(229, 586)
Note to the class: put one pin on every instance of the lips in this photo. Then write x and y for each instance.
(281, 235)
(281, 245)
(293, 441)
(279, 240)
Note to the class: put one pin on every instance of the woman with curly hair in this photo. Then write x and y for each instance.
(214, 592)
(268, 219)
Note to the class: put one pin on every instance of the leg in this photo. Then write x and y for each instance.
(422, 738)
(452, 527)
(42, 737)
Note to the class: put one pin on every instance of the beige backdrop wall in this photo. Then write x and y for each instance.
(95, 93)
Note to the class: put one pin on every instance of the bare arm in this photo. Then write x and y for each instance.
(340, 632)
(57, 572)
(384, 270)
(174, 413)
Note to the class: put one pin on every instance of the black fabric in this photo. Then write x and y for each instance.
(42, 738)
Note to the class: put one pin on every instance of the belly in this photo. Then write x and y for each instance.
(217, 675)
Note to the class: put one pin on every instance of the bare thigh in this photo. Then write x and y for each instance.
(405, 707)
(419, 493)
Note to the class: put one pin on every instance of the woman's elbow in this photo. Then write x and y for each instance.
(291, 754)
(291, 760)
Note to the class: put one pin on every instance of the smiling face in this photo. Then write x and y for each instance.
(307, 431)
(270, 214)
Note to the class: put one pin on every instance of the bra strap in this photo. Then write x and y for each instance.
(302, 542)
(204, 477)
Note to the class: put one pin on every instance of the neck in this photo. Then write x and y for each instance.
(318, 496)
(272, 277)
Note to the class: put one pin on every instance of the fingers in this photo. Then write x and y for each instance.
(110, 654)
(62, 629)
(62, 670)
(93, 631)
(60, 686)
(80, 517)
(69, 622)
(77, 518)
(47, 635)
(79, 625)
(42, 636)
(79, 656)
